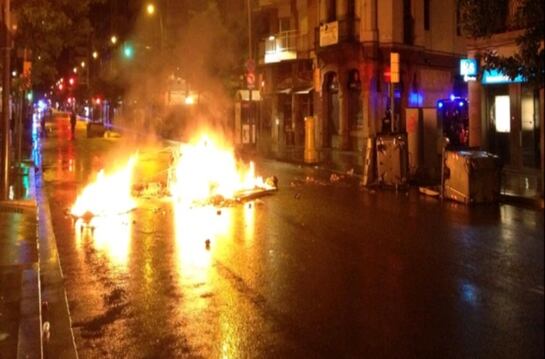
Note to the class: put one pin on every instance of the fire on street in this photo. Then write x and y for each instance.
(320, 269)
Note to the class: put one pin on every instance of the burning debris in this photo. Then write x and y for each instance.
(150, 190)
(109, 194)
(206, 174)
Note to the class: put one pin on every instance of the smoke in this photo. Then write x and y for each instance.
(179, 72)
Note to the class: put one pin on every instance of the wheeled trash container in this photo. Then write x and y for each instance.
(472, 176)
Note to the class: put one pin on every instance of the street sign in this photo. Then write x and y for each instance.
(250, 79)
(394, 67)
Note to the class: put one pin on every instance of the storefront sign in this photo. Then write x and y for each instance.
(495, 76)
(329, 34)
(468, 69)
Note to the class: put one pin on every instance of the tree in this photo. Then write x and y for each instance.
(48, 28)
(484, 18)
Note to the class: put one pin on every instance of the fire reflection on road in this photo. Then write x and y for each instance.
(199, 232)
(111, 236)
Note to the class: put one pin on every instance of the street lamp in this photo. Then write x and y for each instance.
(95, 55)
(83, 64)
(150, 10)
(113, 39)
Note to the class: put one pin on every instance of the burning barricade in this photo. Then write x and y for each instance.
(108, 195)
(204, 173)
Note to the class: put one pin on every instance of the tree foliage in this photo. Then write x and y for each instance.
(47, 28)
(484, 18)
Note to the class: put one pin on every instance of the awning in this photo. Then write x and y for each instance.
(305, 90)
(244, 95)
(285, 91)
(296, 86)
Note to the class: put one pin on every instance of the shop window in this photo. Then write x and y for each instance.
(502, 114)
(528, 113)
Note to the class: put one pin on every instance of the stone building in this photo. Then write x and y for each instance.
(506, 115)
(331, 59)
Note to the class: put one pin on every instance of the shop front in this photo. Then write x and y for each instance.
(509, 114)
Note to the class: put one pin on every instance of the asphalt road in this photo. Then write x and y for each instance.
(319, 269)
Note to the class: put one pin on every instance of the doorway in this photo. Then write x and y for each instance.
(331, 108)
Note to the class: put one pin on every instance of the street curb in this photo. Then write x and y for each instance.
(29, 342)
(61, 343)
(532, 203)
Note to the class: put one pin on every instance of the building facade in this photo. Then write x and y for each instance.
(506, 115)
(331, 59)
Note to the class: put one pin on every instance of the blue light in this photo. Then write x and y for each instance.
(461, 104)
(41, 105)
(495, 76)
(415, 99)
(440, 104)
(452, 97)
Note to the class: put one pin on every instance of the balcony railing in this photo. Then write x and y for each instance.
(283, 46)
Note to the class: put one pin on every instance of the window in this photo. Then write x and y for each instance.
(458, 20)
(502, 113)
(284, 24)
(408, 23)
(427, 15)
(331, 10)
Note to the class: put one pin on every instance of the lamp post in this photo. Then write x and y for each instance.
(4, 180)
(151, 9)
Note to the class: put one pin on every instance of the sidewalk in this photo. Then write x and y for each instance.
(516, 188)
(31, 281)
(20, 312)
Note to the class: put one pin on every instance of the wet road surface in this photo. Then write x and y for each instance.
(318, 269)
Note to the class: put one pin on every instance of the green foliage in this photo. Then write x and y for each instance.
(47, 28)
(482, 18)
(477, 16)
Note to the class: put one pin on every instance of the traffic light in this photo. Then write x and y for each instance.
(72, 81)
(128, 51)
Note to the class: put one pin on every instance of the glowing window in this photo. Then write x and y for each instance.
(502, 113)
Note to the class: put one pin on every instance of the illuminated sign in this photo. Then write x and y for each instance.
(468, 67)
(495, 76)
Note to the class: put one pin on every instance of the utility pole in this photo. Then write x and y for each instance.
(4, 168)
(250, 64)
(250, 54)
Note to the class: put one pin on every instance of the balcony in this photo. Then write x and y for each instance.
(336, 32)
(283, 46)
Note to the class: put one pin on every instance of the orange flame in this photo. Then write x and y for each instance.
(204, 170)
(109, 194)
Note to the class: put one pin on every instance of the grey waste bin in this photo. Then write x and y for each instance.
(392, 159)
(472, 176)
